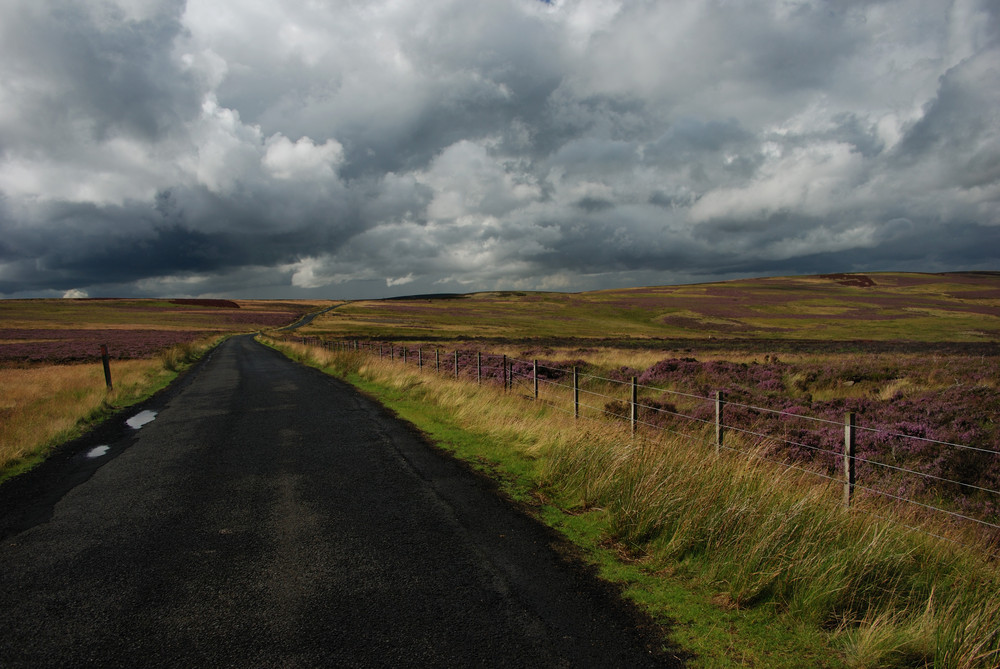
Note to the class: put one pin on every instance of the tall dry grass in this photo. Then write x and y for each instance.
(44, 405)
(764, 535)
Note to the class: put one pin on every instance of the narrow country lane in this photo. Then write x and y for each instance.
(269, 516)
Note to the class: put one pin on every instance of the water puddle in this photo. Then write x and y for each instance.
(140, 419)
(98, 451)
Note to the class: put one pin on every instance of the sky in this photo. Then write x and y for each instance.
(349, 149)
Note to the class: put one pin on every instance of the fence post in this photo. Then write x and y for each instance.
(404, 355)
(437, 360)
(576, 394)
(504, 368)
(420, 358)
(635, 405)
(534, 374)
(479, 367)
(107, 366)
(848, 457)
(720, 402)
(456, 364)
(380, 350)
(392, 351)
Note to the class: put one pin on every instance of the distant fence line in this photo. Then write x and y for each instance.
(529, 376)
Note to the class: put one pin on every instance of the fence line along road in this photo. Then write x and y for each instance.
(504, 370)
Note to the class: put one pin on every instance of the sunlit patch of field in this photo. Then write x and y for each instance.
(882, 307)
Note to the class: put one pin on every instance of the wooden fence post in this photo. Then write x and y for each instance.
(534, 374)
(635, 405)
(404, 355)
(479, 367)
(504, 372)
(848, 458)
(107, 366)
(720, 402)
(456, 364)
(420, 358)
(576, 394)
(437, 360)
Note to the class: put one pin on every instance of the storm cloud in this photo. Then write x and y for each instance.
(353, 149)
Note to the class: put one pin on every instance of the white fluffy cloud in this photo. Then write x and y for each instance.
(366, 148)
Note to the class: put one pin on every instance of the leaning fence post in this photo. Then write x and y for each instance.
(107, 366)
(635, 405)
(848, 457)
(720, 402)
(576, 394)
(534, 374)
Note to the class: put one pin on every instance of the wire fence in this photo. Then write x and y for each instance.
(865, 459)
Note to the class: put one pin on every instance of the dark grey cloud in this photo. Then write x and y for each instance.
(79, 69)
(355, 149)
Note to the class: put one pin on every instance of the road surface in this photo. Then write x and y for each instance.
(262, 514)
(308, 318)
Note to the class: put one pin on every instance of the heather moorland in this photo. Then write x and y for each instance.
(883, 307)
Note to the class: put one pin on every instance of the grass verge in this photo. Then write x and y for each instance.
(42, 406)
(746, 564)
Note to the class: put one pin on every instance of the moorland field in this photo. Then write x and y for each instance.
(749, 557)
(899, 311)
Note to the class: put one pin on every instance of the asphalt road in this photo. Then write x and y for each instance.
(269, 516)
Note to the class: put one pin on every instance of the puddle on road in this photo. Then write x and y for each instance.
(140, 419)
(98, 451)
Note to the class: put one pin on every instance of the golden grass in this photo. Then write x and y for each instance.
(43, 405)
